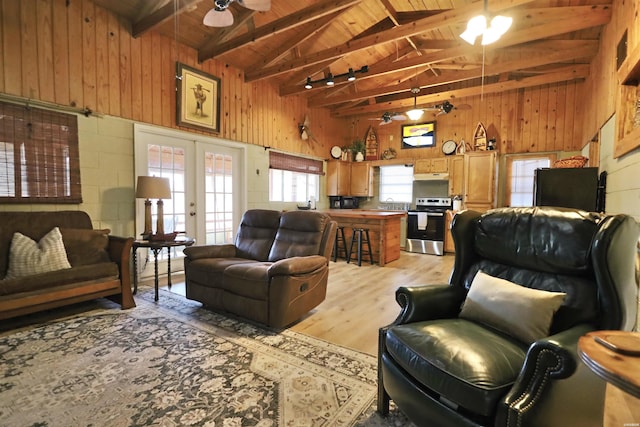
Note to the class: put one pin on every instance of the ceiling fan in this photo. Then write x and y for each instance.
(388, 117)
(221, 16)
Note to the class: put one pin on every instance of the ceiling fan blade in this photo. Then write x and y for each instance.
(218, 18)
(259, 5)
(398, 116)
(384, 122)
(463, 107)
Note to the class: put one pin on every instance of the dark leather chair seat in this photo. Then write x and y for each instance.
(444, 354)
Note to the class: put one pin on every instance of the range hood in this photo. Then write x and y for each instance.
(431, 176)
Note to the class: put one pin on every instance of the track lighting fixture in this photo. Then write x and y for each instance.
(331, 79)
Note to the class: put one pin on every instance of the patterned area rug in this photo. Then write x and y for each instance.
(173, 363)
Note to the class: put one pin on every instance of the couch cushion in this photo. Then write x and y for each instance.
(523, 313)
(456, 359)
(256, 233)
(27, 258)
(300, 234)
(85, 246)
(209, 271)
(249, 280)
(107, 270)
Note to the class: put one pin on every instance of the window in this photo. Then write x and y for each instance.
(396, 184)
(292, 178)
(39, 157)
(520, 177)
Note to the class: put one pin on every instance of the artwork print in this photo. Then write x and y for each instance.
(198, 99)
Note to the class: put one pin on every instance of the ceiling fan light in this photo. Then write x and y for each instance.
(501, 23)
(475, 27)
(330, 80)
(491, 35)
(351, 75)
(215, 18)
(468, 37)
(308, 85)
(414, 114)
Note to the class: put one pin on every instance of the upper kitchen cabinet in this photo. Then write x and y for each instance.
(628, 110)
(338, 178)
(456, 175)
(480, 180)
(436, 165)
(361, 179)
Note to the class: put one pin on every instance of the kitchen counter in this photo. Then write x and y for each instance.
(384, 230)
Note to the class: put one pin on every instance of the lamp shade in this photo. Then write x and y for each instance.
(152, 187)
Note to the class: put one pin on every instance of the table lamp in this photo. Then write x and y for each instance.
(152, 187)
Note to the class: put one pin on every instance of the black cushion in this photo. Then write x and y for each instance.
(457, 359)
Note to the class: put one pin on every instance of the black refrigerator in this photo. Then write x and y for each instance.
(579, 188)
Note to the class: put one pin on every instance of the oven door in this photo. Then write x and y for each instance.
(425, 232)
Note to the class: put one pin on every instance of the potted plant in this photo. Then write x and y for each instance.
(358, 148)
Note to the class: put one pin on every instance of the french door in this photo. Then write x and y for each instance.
(207, 183)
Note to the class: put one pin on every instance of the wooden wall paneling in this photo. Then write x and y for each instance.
(89, 54)
(246, 111)
(29, 50)
(527, 115)
(146, 51)
(11, 47)
(533, 144)
(569, 121)
(238, 82)
(156, 78)
(135, 77)
(60, 40)
(552, 103)
(561, 117)
(75, 53)
(2, 74)
(102, 60)
(115, 59)
(44, 37)
(167, 92)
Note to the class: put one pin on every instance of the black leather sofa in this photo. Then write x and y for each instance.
(442, 368)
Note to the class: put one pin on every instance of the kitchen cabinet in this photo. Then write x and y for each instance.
(436, 165)
(456, 175)
(338, 178)
(628, 109)
(480, 180)
(361, 179)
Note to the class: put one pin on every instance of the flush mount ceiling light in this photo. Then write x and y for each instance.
(331, 79)
(415, 113)
(477, 26)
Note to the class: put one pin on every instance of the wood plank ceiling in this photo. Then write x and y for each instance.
(404, 43)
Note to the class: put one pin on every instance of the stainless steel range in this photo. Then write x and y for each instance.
(425, 225)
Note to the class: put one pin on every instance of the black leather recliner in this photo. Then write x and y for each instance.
(442, 369)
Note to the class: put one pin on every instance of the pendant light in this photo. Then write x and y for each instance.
(415, 113)
(477, 26)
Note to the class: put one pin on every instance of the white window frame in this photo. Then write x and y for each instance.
(509, 190)
(396, 184)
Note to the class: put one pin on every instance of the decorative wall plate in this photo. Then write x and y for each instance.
(336, 152)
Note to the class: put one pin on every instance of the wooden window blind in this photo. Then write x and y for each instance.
(39, 156)
(291, 163)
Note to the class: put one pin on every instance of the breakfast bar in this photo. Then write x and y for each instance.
(384, 230)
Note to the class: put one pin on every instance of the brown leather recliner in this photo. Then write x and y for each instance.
(275, 272)
(444, 367)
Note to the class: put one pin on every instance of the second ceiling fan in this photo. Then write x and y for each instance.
(221, 16)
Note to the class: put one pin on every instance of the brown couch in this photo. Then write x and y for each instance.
(274, 273)
(99, 264)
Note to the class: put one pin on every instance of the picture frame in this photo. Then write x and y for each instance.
(197, 99)
(418, 135)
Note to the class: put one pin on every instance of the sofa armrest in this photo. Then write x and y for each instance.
(210, 251)
(119, 250)
(297, 265)
(552, 358)
(428, 302)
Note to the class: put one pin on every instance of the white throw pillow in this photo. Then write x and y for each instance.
(26, 257)
(523, 313)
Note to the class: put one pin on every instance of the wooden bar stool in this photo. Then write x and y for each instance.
(357, 234)
(340, 245)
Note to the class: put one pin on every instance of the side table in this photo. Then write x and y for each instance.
(618, 368)
(157, 247)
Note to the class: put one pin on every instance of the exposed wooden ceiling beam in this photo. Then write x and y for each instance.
(278, 26)
(426, 24)
(556, 51)
(569, 73)
(161, 15)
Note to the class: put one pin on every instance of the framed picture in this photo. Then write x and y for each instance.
(198, 99)
(418, 135)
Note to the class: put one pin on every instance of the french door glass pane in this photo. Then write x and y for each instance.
(218, 170)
